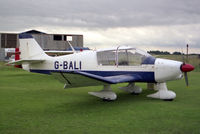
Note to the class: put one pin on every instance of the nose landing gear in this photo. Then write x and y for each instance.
(163, 93)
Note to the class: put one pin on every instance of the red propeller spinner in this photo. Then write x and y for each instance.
(186, 67)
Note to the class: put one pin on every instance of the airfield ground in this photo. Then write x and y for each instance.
(37, 104)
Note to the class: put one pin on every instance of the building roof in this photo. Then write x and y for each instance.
(34, 32)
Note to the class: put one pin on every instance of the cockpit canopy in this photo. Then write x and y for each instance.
(124, 56)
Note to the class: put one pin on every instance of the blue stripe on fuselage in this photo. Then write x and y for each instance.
(144, 76)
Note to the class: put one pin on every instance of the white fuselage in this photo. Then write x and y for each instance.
(163, 70)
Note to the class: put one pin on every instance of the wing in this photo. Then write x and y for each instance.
(80, 79)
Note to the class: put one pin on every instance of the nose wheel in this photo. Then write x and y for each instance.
(163, 93)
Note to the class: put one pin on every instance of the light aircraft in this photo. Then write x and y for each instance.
(104, 67)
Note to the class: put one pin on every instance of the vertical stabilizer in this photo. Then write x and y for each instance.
(29, 48)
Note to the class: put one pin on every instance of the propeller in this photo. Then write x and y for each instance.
(186, 68)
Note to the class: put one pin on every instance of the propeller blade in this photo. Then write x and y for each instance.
(186, 79)
(187, 53)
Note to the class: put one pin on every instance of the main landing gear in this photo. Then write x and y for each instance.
(106, 93)
(132, 88)
(162, 92)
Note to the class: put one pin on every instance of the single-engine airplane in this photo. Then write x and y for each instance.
(104, 67)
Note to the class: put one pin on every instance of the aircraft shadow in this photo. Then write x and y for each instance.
(92, 103)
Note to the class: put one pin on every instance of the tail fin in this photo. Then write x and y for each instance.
(29, 48)
(17, 57)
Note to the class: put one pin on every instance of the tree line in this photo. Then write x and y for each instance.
(157, 52)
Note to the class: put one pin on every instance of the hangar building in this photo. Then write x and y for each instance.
(9, 41)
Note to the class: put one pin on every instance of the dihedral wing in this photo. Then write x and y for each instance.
(80, 79)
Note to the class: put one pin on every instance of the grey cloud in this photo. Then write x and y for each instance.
(173, 22)
(103, 13)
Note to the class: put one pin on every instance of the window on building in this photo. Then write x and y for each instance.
(11, 41)
(57, 37)
(68, 38)
(8, 40)
(3, 41)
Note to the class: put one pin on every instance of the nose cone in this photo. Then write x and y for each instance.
(186, 68)
(166, 70)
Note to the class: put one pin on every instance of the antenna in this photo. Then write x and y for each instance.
(74, 51)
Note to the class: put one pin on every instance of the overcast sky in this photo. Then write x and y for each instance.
(166, 25)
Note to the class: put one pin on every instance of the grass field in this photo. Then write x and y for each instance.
(37, 104)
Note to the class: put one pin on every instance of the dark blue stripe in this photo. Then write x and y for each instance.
(143, 76)
(43, 71)
(25, 36)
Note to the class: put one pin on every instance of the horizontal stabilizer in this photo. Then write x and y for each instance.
(31, 61)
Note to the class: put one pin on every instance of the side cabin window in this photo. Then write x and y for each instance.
(106, 58)
(123, 57)
(129, 57)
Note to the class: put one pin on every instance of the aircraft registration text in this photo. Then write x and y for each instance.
(70, 65)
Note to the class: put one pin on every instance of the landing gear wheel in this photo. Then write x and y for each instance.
(132, 88)
(163, 93)
(135, 93)
(107, 100)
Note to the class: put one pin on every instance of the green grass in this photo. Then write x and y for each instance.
(37, 104)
